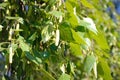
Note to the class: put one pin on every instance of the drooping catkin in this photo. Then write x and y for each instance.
(57, 38)
(10, 54)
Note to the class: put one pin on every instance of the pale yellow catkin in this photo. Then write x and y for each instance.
(95, 69)
(10, 54)
(57, 38)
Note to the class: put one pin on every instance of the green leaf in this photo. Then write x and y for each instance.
(19, 19)
(77, 37)
(56, 13)
(33, 36)
(14, 46)
(88, 42)
(87, 45)
(2, 44)
(34, 59)
(72, 18)
(80, 28)
(86, 4)
(46, 75)
(22, 44)
(104, 70)
(3, 5)
(44, 55)
(75, 49)
(46, 33)
(65, 32)
(69, 6)
(89, 24)
(70, 68)
(64, 77)
(100, 40)
(89, 63)
(51, 2)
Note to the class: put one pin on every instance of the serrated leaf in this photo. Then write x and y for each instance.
(64, 77)
(87, 45)
(89, 63)
(69, 6)
(65, 32)
(86, 4)
(104, 70)
(89, 24)
(73, 20)
(100, 40)
(76, 36)
(75, 49)
(71, 16)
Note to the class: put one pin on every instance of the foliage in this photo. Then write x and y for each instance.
(59, 40)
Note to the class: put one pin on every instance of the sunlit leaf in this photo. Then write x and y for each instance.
(73, 20)
(64, 77)
(77, 37)
(69, 6)
(14, 46)
(100, 39)
(22, 44)
(89, 63)
(89, 24)
(87, 4)
(56, 13)
(75, 49)
(46, 33)
(3, 5)
(19, 19)
(86, 46)
(104, 70)
(65, 32)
